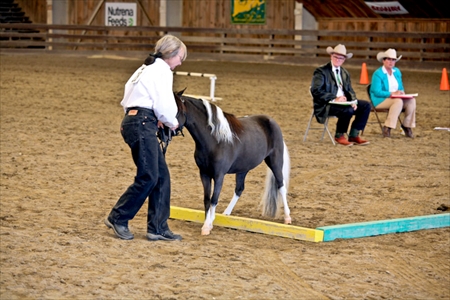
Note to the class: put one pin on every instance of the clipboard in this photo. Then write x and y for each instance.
(405, 96)
(344, 103)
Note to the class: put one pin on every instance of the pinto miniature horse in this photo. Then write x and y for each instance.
(225, 144)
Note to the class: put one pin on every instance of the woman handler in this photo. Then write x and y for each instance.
(149, 103)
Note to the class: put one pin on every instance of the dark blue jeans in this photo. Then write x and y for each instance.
(152, 178)
(344, 114)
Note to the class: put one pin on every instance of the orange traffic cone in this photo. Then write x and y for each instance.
(444, 80)
(364, 79)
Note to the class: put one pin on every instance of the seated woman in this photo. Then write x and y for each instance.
(386, 84)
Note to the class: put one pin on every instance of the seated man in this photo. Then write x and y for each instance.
(333, 95)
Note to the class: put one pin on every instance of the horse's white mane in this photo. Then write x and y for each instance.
(221, 131)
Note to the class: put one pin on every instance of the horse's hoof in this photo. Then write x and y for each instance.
(287, 220)
(206, 230)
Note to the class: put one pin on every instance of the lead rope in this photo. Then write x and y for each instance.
(164, 136)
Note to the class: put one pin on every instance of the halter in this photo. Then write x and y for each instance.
(165, 134)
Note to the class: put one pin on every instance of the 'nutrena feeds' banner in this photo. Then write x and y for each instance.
(120, 14)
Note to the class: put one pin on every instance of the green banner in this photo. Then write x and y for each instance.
(248, 11)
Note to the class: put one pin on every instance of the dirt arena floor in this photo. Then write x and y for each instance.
(64, 165)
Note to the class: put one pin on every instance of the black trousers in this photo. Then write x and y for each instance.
(152, 178)
(344, 113)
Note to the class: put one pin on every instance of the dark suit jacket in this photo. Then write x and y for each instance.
(324, 89)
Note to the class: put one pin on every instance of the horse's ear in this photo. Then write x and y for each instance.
(180, 93)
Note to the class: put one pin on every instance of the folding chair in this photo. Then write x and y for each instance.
(324, 128)
(380, 110)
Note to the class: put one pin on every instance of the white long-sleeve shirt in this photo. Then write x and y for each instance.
(151, 87)
(393, 83)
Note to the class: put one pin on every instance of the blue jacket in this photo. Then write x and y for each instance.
(379, 90)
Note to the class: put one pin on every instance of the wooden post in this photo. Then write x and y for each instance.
(49, 20)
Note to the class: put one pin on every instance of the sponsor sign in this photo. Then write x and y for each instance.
(120, 14)
(387, 8)
(248, 11)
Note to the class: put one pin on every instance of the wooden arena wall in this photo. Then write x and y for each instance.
(208, 31)
(216, 14)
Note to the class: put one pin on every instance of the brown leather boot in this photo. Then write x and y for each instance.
(343, 141)
(386, 131)
(408, 132)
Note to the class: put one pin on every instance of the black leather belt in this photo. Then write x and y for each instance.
(135, 110)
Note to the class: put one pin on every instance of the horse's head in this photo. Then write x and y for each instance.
(224, 126)
(165, 133)
(181, 115)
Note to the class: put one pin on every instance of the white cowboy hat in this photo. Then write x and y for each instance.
(339, 49)
(390, 53)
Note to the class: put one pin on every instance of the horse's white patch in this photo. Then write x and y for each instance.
(221, 131)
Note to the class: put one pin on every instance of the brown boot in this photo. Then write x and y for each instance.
(343, 141)
(408, 132)
(386, 131)
(358, 141)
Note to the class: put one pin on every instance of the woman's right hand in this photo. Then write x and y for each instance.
(161, 125)
(397, 93)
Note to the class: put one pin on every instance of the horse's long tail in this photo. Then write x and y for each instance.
(272, 199)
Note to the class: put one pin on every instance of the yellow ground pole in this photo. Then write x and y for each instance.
(247, 224)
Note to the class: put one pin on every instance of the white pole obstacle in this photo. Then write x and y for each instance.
(212, 78)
